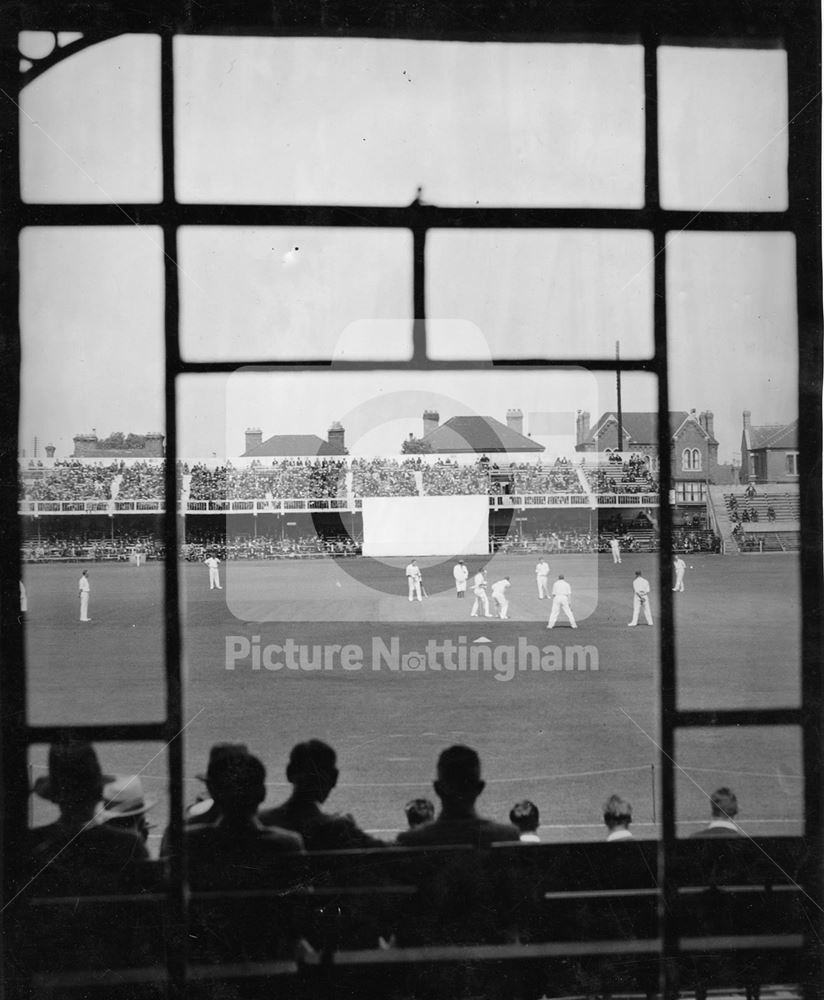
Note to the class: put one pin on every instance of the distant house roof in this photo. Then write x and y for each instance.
(640, 428)
(289, 445)
(464, 435)
(772, 436)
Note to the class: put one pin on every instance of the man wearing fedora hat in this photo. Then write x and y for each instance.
(78, 841)
(125, 806)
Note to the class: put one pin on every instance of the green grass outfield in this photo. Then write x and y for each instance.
(565, 738)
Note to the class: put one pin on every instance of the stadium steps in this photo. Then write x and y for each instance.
(721, 512)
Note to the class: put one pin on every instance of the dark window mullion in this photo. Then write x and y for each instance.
(177, 955)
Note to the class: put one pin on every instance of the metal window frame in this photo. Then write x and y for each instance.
(793, 23)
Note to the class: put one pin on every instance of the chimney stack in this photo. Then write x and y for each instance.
(708, 422)
(515, 420)
(581, 426)
(254, 437)
(747, 416)
(335, 437)
(431, 419)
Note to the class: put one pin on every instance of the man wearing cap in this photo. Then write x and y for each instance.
(617, 817)
(723, 810)
(680, 568)
(461, 574)
(640, 588)
(78, 843)
(312, 771)
(615, 548)
(83, 589)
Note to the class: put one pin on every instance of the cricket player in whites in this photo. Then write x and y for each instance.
(481, 599)
(214, 576)
(413, 578)
(499, 589)
(461, 574)
(561, 593)
(640, 599)
(680, 567)
(542, 578)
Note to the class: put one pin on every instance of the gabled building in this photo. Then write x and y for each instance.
(694, 445)
(769, 452)
(476, 434)
(294, 445)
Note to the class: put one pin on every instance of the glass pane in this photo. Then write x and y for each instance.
(733, 357)
(314, 501)
(91, 456)
(296, 293)
(723, 128)
(135, 789)
(760, 765)
(366, 121)
(90, 126)
(541, 294)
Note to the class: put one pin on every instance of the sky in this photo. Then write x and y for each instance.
(369, 122)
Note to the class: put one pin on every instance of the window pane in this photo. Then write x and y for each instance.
(91, 472)
(723, 128)
(733, 354)
(296, 293)
(134, 773)
(541, 294)
(90, 126)
(760, 765)
(369, 121)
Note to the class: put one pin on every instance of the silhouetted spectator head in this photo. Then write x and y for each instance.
(237, 783)
(459, 776)
(221, 750)
(525, 816)
(723, 804)
(617, 813)
(419, 811)
(312, 769)
(125, 806)
(75, 780)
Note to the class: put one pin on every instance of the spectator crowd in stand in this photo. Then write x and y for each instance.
(233, 800)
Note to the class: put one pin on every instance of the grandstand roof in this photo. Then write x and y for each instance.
(464, 435)
(773, 436)
(640, 428)
(291, 445)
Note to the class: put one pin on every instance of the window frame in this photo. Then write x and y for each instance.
(797, 22)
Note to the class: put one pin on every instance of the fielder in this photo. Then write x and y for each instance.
(24, 602)
(481, 599)
(680, 567)
(542, 578)
(461, 574)
(413, 578)
(615, 547)
(84, 590)
(499, 597)
(640, 599)
(214, 576)
(561, 593)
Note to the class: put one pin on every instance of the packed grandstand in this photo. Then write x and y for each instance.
(621, 490)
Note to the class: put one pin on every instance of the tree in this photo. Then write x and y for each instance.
(416, 446)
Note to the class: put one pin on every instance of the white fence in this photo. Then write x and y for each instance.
(41, 508)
